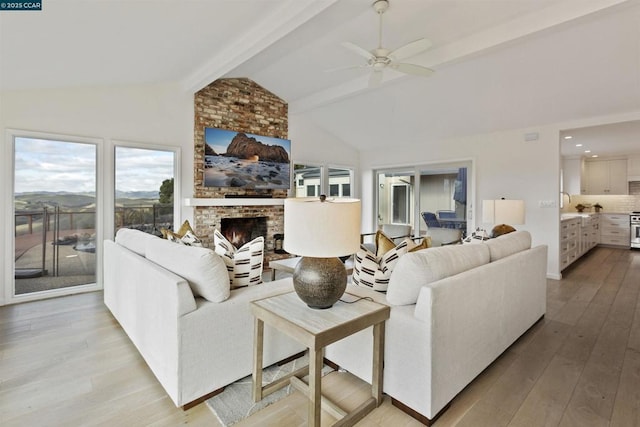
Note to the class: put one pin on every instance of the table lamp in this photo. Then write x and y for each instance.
(321, 230)
(504, 213)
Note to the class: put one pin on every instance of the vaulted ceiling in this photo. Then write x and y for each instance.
(499, 64)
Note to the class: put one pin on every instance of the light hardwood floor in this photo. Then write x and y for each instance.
(66, 362)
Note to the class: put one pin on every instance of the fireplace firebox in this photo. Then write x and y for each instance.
(239, 231)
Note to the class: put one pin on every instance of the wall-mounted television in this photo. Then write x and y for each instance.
(244, 160)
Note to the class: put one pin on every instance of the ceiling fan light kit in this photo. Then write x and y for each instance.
(381, 58)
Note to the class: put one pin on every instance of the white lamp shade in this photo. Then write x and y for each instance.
(503, 211)
(322, 229)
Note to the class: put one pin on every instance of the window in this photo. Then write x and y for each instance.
(313, 180)
(145, 183)
(340, 180)
(308, 179)
(400, 205)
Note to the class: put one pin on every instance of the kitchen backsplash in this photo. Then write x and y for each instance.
(609, 203)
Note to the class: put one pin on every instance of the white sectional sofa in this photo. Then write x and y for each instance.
(454, 310)
(193, 346)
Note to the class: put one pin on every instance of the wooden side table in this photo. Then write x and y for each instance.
(288, 265)
(316, 329)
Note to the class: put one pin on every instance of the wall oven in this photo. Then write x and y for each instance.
(635, 230)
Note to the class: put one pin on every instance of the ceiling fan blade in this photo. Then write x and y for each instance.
(416, 70)
(411, 49)
(351, 67)
(375, 79)
(357, 49)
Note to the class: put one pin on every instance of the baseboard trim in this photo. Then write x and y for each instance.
(417, 415)
(201, 399)
(291, 358)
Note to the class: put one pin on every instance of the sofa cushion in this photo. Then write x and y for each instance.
(201, 267)
(420, 268)
(508, 244)
(244, 265)
(134, 240)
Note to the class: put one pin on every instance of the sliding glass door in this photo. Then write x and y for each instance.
(55, 207)
(439, 191)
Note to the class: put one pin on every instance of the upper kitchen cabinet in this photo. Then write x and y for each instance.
(573, 179)
(633, 168)
(607, 176)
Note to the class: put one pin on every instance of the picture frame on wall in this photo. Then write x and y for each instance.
(246, 160)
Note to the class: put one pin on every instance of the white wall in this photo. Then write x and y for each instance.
(157, 114)
(312, 145)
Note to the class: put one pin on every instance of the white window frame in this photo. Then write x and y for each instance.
(177, 197)
(9, 261)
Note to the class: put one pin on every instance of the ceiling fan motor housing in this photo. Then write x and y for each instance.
(381, 6)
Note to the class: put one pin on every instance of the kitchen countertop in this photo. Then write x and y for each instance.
(565, 216)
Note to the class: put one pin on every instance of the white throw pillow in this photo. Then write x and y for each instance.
(244, 265)
(420, 268)
(201, 267)
(372, 272)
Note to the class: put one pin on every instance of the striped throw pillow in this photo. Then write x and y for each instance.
(244, 264)
(374, 272)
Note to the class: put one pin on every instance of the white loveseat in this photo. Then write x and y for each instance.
(454, 310)
(193, 346)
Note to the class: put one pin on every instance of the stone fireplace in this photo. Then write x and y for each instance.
(240, 105)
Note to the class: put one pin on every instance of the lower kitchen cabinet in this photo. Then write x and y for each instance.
(569, 241)
(614, 229)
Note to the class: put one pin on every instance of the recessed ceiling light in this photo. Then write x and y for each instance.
(595, 155)
(578, 145)
(587, 151)
(568, 137)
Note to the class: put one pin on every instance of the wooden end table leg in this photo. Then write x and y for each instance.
(258, 342)
(315, 389)
(378, 362)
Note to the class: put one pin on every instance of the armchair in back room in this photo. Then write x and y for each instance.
(430, 219)
(440, 236)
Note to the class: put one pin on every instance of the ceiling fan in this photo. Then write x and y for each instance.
(380, 58)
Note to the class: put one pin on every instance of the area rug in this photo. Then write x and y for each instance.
(236, 403)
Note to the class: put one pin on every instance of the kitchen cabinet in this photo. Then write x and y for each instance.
(606, 176)
(633, 168)
(573, 181)
(569, 241)
(578, 235)
(615, 229)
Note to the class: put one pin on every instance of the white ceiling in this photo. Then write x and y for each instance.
(499, 64)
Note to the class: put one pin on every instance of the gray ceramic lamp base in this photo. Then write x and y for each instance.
(320, 282)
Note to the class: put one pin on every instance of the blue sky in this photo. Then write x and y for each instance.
(219, 140)
(45, 165)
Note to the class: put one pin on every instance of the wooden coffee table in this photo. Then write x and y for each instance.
(316, 329)
(288, 265)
